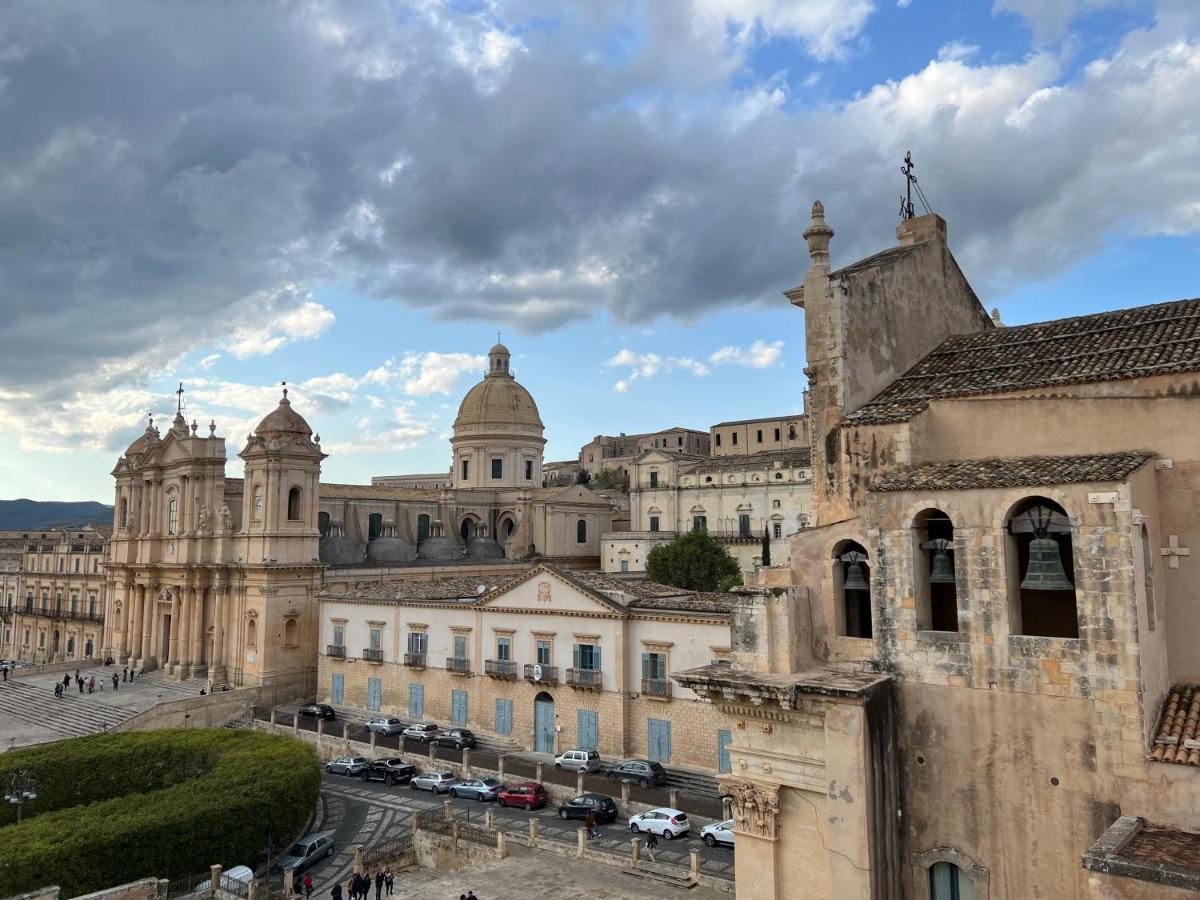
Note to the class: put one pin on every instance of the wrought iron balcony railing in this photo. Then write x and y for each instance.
(656, 687)
(372, 655)
(458, 665)
(338, 650)
(414, 660)
(585, 678)
(541, 674)
(500, 668)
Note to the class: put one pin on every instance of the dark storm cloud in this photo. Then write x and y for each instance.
(163, 164)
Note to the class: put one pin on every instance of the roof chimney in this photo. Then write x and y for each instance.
(818, 234)
(996, 317)
(920, 229)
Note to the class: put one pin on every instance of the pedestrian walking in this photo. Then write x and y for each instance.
(307, 885)
(115, 681)
(124, 672)
(471, 895)
(5, 668)
(336, 892)
(651, 844)
(66, 682)
(388, 880)
(378, 885)
(80, 685)
(590, 824)
(57, 691)
(91, 684)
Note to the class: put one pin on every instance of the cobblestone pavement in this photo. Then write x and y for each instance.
(368, 813)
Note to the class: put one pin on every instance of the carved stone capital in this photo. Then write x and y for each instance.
(755, 807)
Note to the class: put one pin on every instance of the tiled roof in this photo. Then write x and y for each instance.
(706, 602)
(1127, 343)
(373, 492)
(1177, 739)
(765, 460)
(1027, 471)
(634, 587)
(456, 588)
(650, 595)
(1135, 849)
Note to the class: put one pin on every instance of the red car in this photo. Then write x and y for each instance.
(528, 796)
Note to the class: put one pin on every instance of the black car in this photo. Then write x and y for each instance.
(317, 711)
(603, 807)
(648, 773)
(389, 771)
(456, 738)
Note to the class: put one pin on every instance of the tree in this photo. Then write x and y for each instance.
(766, 550)
(612, 480)
(696, 561)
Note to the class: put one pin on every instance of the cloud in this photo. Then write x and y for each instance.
(1049, 19)
(179, 178)
(437, 373)
(759, 355)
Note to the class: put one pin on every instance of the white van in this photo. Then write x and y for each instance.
(231, 880)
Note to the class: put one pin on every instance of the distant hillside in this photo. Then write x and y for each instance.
(35, 514)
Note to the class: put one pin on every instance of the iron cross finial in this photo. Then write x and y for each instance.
(284, 383)
(906, 204)
(179, 399)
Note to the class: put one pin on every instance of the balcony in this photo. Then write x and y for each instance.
(372, 655)
(500, 668)
(76, 616)
(541, 674)
(337, 650)
(414, 660)
(590, 679)
(656, 687)
(458, 665)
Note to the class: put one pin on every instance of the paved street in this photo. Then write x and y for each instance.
(369, 812)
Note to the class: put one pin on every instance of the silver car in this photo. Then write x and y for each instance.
(306, 851)
(478, 788)
(579, 761)
(347, 765)
(434, 782)
(385, 725)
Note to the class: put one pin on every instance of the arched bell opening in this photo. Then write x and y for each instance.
(1041, 570)
(852, 589)
(935, 571)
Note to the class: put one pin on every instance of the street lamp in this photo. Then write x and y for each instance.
(21, 789)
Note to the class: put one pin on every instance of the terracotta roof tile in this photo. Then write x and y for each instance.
(768, 458)
(1027, 471)
(1177, 739)
(1127, 343)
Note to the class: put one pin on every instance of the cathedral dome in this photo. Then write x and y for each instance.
(144, 442)
(283, 420)
(499, 399)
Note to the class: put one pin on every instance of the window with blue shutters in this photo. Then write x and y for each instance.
(416, 700)
(587, 656)
(588, 729)
(337, 693)
(504, 648)
(458, 707)
(460, 646)
(374, 693)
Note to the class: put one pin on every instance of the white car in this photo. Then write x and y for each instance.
(579, 760)
(718, 833)
(347, 765)
(385, 725)
(434, 782)
(670, 823)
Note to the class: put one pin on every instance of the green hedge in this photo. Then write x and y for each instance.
(113, 808)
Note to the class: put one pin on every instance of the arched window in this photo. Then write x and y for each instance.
(252, 633)
(88, 649)
(581, 531)
(294, 505)
(173, 515)
(71, 645)
(852, 589)
(257, 511)
(791, 432)
(123, 517)
(947, 882)
(935, 581)
(374, 526)
(1041, 570)
(467, 529)
(290, 631)
(422, 527)
(1148, 578)
(323, 523)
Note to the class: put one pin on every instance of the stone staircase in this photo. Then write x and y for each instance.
(74, 715)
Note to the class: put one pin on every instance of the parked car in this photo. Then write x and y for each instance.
(718, 833)
(528, 796)
(434, 782)
(577, 760)
(479, 788)
(347, 765)
(421, 731)
(317, 711)
(385, 725)
(578, 808)
(306, 851)
(456, 738)
(389, 771)
(670, 823)
(650, 774)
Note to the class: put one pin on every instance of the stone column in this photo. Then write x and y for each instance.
(580, 841)
(185, 633)
(217, 663)
(635, 851)
(695, 865)
(196, 601)
(533, 832)
(146, 613)
(173, 651)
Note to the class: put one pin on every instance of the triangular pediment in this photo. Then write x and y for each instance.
(548, 589)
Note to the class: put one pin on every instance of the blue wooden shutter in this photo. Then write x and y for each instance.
(575, 656)
(646, 670)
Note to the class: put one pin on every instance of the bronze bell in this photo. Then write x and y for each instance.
(1045, 569)
(854, 578)
(942, 569)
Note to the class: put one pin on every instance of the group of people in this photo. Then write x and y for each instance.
(359, 885)
(89, 683)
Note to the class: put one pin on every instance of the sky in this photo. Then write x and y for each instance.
(356, 197)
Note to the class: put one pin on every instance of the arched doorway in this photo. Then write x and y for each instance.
(54, 642)
(469, 527)
(374, 526)
(543, 723)
(505, 527)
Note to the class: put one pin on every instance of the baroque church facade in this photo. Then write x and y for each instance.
(218, 577)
